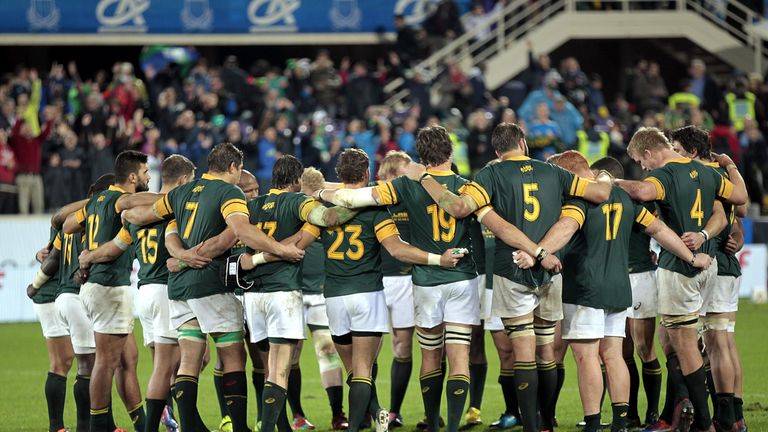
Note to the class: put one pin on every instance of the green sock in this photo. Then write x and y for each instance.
(712, 391)
(547, 372)
(100, 420)
(283, 425)
(431, 393)
(235, 389)
(82, 402)
(274, 403)
(738, 408)
(634, 387)
(456, 389)
(400, 375)
(696, 382)
(217, 376)
(55, 395)
(507, 383)
(527, 383)
(138, 418)
(294, 391)
(652, 386)
(373, 403)
(186, 402)
(560, 382)
(592, 423)
(726, 415)
(359, 400)
(257, 376)
(111, 417)
(154, 413)
(477, 374)
(619, 422)
(336, 399)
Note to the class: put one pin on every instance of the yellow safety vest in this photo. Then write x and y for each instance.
(683, 98)
(593, 150)
(460, 155)
(740, 109)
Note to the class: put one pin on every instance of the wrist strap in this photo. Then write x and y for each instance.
(258, 259)
(541, 253)
(433, 259)
(705, 234)
(693, 258)
(182, 265)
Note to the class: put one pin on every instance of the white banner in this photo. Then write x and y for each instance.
(754, 268)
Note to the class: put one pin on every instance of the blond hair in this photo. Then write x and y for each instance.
(648, 138)
(312, 180)
(391, 163)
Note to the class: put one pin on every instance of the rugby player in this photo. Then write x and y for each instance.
(596, 288)
(199, 303)
(515, 183)
(107, 295)
(148, 246)
(357, 311)
(686, 195)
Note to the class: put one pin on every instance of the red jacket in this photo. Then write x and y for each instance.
(7, 164)
(29, 151)
(722, 134)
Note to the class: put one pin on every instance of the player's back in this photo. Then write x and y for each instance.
(102, 224)
(47, 291)
(389, 265)
(640, 246)
(433, 230)
(69, 262)
(149, 249)
(727, 264)
(278, 215)
(528, 194)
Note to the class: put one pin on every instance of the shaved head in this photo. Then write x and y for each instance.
(249, 185)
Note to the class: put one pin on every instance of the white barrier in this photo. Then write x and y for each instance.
(754, 268)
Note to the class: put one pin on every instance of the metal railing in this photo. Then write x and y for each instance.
(516, 19)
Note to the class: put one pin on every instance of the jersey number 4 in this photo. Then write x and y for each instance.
(697, 213)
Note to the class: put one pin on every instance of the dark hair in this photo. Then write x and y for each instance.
(693, 138)
(174, 167)
(609, 164)
(352, 166)
(433, 145)
(127, 163)
(286, 171)
(506, 136)
(101, 183)
(224, 155)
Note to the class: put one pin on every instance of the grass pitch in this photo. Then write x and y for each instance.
(24, 364)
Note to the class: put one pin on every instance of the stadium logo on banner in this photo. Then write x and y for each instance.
(345, 14)
(415, 11)
(43, 15)
(196, 15)
(117, 16)
(273, 15)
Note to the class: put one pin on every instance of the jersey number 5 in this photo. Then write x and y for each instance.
(530, 199)
(356, 248)
(443, 224)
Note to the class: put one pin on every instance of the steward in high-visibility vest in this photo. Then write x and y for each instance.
(740, 107)
(683, 98)
(593, 149)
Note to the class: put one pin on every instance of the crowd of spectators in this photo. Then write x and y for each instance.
(59, 130)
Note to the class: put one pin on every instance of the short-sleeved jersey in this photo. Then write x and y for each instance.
(280, 215)
(432, 229)
(727, 264)
(389, 265)
(639, 247)
(353, 253)
(313, 269)
(528, 194)
(200, 208)
(685, 194)
(148, 244)
(69, 261)
(47, 291)
(596, 259)
(102, 223)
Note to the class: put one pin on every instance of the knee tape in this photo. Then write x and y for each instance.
(545, 334)
(430, 342)
(715, 324)
(226, 339)
(326, 358)
(731, 327)
(191, 333)
(680, 321)
(519, 329)
(457, 335)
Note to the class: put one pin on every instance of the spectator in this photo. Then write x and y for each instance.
(479, 140)
(568, 119)
(155, 158)
(28, 149)
(724, 140)
(385, 143)
(595, 96)
(28, 104)
(574, 83)
(325, 83)
(650, 89)
(73, 158)
(742, 105)
(477, 19)
(544, 136)
(359, 137)
(444, 24)
(267, 156)
(538, 68)
(755, 167)
(704, 87)
(362, 91)
(545, 95)
(8, 199)
(7, 113)
(56, 188)
(406, 140)
(406, 45)
(101, 158)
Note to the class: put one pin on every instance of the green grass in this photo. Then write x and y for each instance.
(24, 362)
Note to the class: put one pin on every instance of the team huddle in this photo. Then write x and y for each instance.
(544, 255)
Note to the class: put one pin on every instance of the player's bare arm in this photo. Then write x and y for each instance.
(736, 238)
(639, 190)
(506, 232)
(405, 252)
(301, 240)
(48, 267)
(72, 224)
(191, 257)
(598, 191)
(58, 218)
(142, 215)
(739, 196)
(255, 239)
(327, 217)
(672, 243)
(130, 201)
(715, 225)
(458, 206)
(349, 198)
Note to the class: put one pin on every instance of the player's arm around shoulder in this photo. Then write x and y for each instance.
(597, 191)
(667, 239)
(505, 231)
(471, 196)
(129, 201)
(75, 222)
(733, 189)
(107, 252)
(58, 218)
(644, 191)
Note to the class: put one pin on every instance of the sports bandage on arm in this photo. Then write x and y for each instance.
(433, 259)
(258, 259)
(352, 198)
(39, 279)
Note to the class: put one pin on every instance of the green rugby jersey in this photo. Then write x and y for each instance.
(478, 245)
(47, 292)
(280, 214)
(433, 230)
(596, 260)
(639, 248)
(102, 223)
(200, 208)
(353, 253)
(148, 245)
(389, 265)
(70, 246)
(685, 194)
(727, 264)
(313, 269)
(528, 194)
